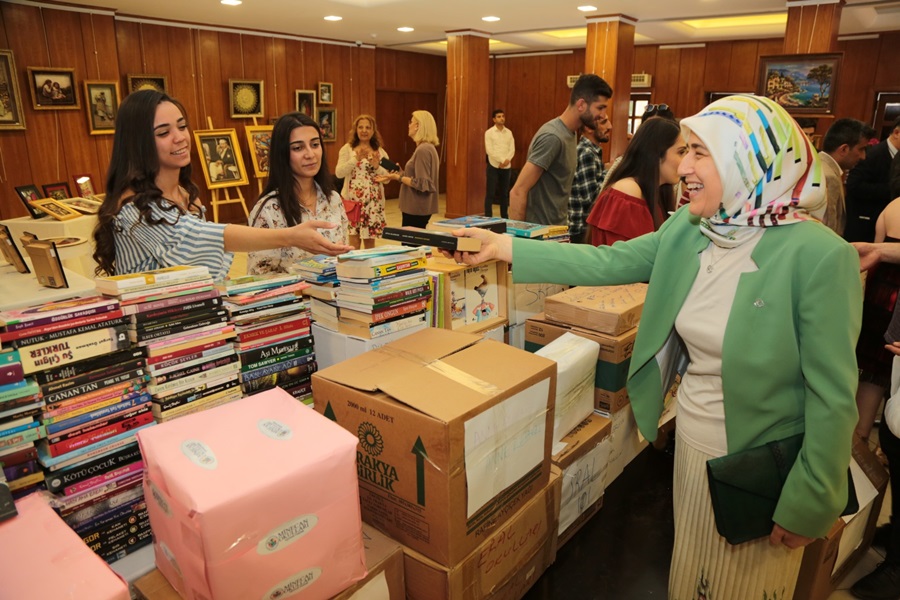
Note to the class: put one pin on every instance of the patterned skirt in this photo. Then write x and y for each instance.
(704, 565)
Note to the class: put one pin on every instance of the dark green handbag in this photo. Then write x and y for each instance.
(745, 488)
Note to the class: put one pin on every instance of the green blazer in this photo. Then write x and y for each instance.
(788, 357)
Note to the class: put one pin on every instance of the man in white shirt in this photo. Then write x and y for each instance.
(500, 148)
(843, 147)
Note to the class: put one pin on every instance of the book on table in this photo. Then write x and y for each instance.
(525, 229)
(401, 265)
(495, 224)
(436, 239)
(116, 284)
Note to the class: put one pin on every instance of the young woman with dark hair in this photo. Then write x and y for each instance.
(640, 193)
(300, 189)
(152, 216)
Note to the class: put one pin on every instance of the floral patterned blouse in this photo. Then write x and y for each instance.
(267, 215)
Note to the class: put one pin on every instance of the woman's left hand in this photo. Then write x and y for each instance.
(780, 535)
(392, 176)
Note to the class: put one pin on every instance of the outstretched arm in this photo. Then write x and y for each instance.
(240, 238)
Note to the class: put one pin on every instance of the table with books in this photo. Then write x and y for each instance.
(18, 290)
(74, 238)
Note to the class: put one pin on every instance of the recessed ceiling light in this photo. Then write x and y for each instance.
(587, 8)
(231, 2)
(405, 29)
(490, 19)
(333, 18)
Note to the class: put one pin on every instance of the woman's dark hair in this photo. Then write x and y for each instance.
(641, 161)
(375, 141)
(281, 176)
(134, 167)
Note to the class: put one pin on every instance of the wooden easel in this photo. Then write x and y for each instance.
(226, 198)
(259, 180)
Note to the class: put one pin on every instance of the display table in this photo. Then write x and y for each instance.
(18, 290)
(78, 257)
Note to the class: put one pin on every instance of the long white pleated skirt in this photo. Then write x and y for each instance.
(704, 565)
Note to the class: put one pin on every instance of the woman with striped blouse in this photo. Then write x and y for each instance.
(152, 216)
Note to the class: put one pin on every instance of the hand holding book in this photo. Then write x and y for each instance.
(494, 246)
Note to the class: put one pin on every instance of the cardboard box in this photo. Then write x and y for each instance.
(612, 310)
(503, 566)
(613, 359)
(254, 499)
(384, 560)
(333, 347)
(583, 459)
(465, 288)
(527, 299)
(41, 557)
(625, 442)
(454, 435)
(515, 336)
(576, 360)
(826, 561)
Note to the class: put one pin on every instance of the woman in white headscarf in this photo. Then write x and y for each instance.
(767, 302)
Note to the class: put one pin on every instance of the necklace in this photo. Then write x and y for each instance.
(714, 260)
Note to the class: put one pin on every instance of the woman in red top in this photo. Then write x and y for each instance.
(640, 193)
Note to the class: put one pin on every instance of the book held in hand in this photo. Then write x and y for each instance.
(436, 239)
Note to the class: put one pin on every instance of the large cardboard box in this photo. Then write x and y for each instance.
(454, 435)
(503, 566)
(333, 347)
(471, 299)
(41, 557)
(527, 299)
(384, 560)
(583, 459)
(254, 499)
(576, 360)
(826, 561)
(613, 359)
(625, 442)
(612, 309)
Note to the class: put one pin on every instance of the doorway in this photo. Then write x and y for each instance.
(394, 111)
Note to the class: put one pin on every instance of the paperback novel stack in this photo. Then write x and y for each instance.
(527, 230)
(20, 409)
(274, 344)
(495, 224)
(177, 319)
(319, 272)
(383, 290)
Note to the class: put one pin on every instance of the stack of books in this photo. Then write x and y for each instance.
(20, 409)
(178, 321)
(558, 233)
(274, 345)
(527, 230)
(495, 224)
(383, 290)
(319, 272)
(93, 400)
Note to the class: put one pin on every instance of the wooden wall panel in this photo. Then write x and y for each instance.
(690, 97)
(854, 91)
(716, 67)
(742, 72)
(644, 59)
(666, 79)
(887, 75)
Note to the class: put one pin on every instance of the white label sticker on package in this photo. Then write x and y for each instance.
(505, 442)
(170, 557)
(286, 534)
(160, 499)
(293, 584)
(377, 589)
(583, 484)
(274, 429)
(199, 454)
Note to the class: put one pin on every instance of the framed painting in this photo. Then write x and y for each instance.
(53, 89)
(102, 102)
(57, 191)
(325, 93)
(259, 138)
(147, 82)
(223, 165)
(88, 206)
(305, 102)
(327, 120)
(803, 84)
(26, 194)
(246, 98)
(11, 115)
(56, 209)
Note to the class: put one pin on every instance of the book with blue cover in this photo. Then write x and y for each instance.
(494, 224)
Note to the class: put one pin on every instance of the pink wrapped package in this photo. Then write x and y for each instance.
(258, 498)
(41, 557)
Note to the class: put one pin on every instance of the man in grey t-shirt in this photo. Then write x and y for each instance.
(541, 192)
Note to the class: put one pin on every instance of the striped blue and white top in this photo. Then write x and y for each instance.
(181, 239)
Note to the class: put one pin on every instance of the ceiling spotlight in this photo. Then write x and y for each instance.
(231, 2)
(334, 18)
(490, 19)
(405, 29)
(587, 8)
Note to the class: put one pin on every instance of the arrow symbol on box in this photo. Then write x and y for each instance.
(419, 450)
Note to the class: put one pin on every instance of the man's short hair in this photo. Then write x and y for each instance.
(844, 131)
(497, 111)
(896, 124)
(589, 87)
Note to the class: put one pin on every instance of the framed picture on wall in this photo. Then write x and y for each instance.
(305, 102)
(259, 138)
(147, 82)
(10, 99)
(246, 98)
(102, 103)
(223, 165)
(53, 89)
(801, 83)
(57, 191)
(26, 194)
(327, 120)
(325, 93)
